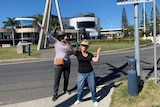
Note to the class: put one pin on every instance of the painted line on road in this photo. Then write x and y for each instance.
(24, 61)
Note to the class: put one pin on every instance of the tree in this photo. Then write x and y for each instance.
(54, 21)
(38, 18)
(157, 20)
(124, 22)
(11, 23)
(124, 19)
(146, 18)
(142, 22)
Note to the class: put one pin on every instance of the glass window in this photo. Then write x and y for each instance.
(86, 24)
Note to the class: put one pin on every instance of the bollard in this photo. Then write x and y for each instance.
(132, 78)
(29, 50)
(132, 63)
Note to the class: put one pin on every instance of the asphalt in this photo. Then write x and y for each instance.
(66, 100)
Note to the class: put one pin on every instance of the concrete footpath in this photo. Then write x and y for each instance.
(67, 100)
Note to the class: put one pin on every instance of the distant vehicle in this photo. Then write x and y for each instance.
(117, 37)
(109, 37)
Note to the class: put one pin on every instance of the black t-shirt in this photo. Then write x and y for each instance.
(84, 62)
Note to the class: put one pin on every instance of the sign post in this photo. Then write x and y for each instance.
(154, 34)
(136, 31)
(137, 44)
(123, 2)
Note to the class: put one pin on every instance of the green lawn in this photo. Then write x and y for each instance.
(147, 97)
(11, 52)
(110, 46)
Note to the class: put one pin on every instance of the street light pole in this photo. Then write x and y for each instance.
(154, 34)
(21, 32)
(111, 23)
(144, 20)
(137, 47)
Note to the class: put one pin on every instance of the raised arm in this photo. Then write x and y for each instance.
(69, 46)
(96, 58)
(50, 37)
(40, 25)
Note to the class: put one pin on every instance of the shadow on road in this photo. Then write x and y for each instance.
(103, 92)
(151, 70)
(116, 73)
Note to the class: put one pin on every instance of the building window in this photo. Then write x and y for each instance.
(89, 24)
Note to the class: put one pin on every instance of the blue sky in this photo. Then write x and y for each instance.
(107, 10)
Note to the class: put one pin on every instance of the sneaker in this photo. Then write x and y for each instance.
(77, 102)
(96, 104)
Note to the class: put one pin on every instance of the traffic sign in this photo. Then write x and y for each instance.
(122, 2)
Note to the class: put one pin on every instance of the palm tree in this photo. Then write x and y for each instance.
(55, 22)
(38, 18)
(11, 23)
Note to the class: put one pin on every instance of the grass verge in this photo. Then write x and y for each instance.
(110, 46)
(147, 97)
(11, 53)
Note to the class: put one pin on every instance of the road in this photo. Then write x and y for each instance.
(29, 80)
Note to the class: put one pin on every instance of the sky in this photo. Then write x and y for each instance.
(107, 10)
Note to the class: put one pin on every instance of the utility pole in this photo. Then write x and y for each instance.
(136, 31)
(154, 34)
(144, 20)
(21, 31)
(137, 47)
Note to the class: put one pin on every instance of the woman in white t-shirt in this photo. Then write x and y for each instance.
(63, 50)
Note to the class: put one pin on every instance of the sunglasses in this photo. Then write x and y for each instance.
(84, 45)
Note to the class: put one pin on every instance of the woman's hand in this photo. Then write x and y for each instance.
(99, 49)
(96, 58)
(40, 25)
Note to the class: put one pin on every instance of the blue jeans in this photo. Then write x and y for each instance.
(90, 77)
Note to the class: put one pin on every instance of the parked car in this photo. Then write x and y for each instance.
(109, 37)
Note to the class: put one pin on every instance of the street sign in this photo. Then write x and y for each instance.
(122, 2)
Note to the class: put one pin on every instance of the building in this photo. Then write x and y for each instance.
(25, 31)
(112, 33)
(85, 22)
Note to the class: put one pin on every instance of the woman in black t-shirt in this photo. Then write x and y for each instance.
(85, 71)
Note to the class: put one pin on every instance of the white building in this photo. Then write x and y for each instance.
(87, 21)
(26, 30)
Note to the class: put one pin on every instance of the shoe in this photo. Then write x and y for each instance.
(54, 97)
(66, 92)
(96, 104)
(77, 102)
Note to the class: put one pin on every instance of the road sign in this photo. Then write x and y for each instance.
(122, 2)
